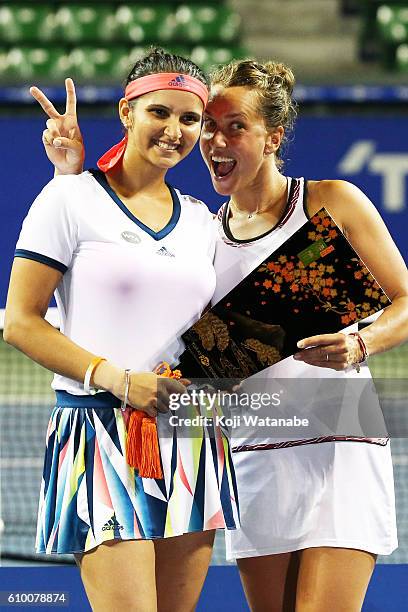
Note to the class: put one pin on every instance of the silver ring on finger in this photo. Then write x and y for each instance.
(327, 356)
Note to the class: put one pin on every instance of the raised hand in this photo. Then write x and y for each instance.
(62, 139)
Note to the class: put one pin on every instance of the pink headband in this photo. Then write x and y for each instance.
(147, 84)
(167, 80)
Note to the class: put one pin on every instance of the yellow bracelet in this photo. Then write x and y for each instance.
(88, 374)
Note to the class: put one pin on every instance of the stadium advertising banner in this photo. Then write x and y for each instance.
(371, 152)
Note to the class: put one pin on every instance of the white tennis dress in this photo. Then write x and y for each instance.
(302, 491)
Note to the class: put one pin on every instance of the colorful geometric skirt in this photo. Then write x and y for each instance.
(89, 494)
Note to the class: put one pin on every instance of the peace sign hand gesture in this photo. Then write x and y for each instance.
(62, 139)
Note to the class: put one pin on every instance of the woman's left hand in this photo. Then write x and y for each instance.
(335, 351)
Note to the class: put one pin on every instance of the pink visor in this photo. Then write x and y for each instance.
(147, 84)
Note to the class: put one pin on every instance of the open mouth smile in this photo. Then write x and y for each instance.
(222, 166)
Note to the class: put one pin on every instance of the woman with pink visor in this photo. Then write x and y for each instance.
(130, 261)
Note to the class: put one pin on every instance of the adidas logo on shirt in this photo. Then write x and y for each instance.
(112, 524)
(164, 251)
(179, 81)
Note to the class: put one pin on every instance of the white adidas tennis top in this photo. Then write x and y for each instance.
(127, 292)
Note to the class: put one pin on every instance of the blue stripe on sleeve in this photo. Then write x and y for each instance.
(48, 261)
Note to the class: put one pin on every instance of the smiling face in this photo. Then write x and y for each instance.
(163, 126)
(235, 142)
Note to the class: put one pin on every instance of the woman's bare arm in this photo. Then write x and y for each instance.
(367, 233)
(31, 287)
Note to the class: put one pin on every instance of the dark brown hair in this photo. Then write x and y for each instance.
(158, 60)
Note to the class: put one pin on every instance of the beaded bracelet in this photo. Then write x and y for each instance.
(89, 372)
(363, 349)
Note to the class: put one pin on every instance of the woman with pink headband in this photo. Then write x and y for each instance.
(130, 260)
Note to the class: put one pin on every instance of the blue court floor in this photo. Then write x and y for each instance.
(388, 590)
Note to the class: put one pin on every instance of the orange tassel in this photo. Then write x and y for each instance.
(134, 438)
(142, 442)
(150, 466)
(142, 445)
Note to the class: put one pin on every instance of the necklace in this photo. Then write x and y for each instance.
(257, 210)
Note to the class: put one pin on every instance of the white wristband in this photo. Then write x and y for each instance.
(88, 375)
